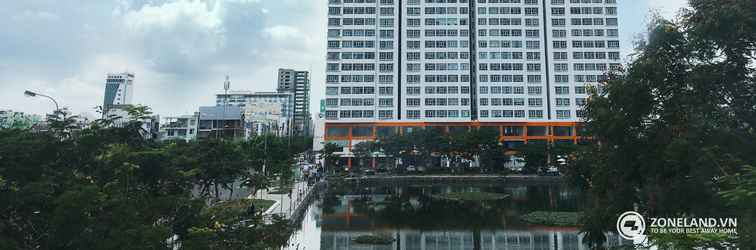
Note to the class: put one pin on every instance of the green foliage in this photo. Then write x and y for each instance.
(677, 122)
(535, 156)
(560, 219)
(328, 155)
(108, 188)
(420, 146)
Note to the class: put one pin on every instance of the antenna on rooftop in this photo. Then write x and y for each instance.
(227, 84)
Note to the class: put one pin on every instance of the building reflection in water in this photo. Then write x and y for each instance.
(418, 221)
(455, 240)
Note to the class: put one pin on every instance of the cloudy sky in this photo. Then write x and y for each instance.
(180, 50)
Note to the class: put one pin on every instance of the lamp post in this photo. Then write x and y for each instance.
(35, 94)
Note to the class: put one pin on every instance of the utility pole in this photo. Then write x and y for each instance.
(226, 87)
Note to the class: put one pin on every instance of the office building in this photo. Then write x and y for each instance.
(118, 90)
(521, 67)
(298, 84)
(243, 98)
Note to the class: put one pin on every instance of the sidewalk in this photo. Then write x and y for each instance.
(284, 205)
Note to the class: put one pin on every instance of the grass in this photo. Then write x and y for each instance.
(564, 219)
(471, 196)
(373, 240)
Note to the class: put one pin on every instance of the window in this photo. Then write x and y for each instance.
(535, 114)
(561, 78)
(562, 90)
(413, 114)
(386, 56)
(532, 22)
(387, 22)
(387, 34)
(385, 114)
(413, 102)
(535, 102)
(580, 90)
(386, 79)
(534, 90)
(531, 11)
(413, 33)
(331, 115)
(533, 55)
(387, 44)
(563, 114)
(558, 22)
(385, 90)
(413, 56)
(611, 21)
(386, 67)
(580, 102)
(559, 33)
(387, 11)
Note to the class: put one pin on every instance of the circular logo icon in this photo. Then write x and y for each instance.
(631, 225)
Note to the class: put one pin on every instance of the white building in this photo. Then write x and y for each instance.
(242, 98)
(265, 118)
(519, 66)
(179, 127)
(118, 90)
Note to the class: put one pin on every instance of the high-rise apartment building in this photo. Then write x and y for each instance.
(519, 66)
(118, 90)
(297, 83)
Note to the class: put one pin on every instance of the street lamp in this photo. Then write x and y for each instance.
(34, 94)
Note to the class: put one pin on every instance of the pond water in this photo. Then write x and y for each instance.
(419, 218)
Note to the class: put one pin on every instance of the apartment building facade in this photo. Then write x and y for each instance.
(297, 83)
(520, 66)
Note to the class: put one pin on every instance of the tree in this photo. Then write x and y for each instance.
(678, 120)
(535, 156)
(366, 150)
(328, 154)
(109, 188)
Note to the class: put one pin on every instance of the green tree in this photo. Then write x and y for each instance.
(328, 155)
(678, 120)
(366, 151)
(535, 156)
(108, 188)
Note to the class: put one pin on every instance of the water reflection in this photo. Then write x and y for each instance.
(417, 219)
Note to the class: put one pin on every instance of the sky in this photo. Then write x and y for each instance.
(180, 50)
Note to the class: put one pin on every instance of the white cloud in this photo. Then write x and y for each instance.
(202, 14)
(283, 32)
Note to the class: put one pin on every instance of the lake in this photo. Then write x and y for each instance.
(424, 217)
